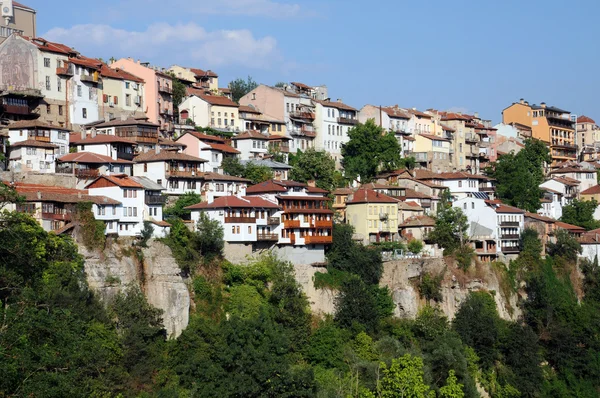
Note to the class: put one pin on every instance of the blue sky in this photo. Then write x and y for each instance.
(461, 55)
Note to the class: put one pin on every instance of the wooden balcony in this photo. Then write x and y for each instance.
(182, 173)
(321, 240)
(65, 71)
(346, 120)
(87, 173)
(274, 221)
(510, 250)
(293, 239)
(267, 237)
(240, 220)
(16, 109)
(303, 115)
(165, 89)
(56, 217)
(291, 224)
(39, 138)
(322, 224)
(509, 236)
(94, 79)
(155, 199)
(509, 223)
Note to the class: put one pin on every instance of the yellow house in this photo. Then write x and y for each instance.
(548, 124)
(591, 193)
(432, 152)
(373, 215)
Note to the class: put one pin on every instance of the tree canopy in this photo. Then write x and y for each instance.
(581, 213)
(240, 87)
(314, 165)
(369, 150)
(451, 226)
(254, 172)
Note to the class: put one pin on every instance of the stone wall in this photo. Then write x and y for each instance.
(237, 252)
(60, 180)
(300, 255)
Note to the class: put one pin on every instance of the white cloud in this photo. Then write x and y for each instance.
(166, 44)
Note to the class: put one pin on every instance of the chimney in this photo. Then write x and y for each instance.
(312, 183)
(339, 100)
(543, 105)
(39, 195)
(522, 101)
(93, 134)
(130, 59)
(476, 115)
(83, 133)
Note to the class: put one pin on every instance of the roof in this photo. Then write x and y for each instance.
(550, 190)
(148, 183)
(251, 134)
(49, 46)
(89, 157)
(99, 139)
(218, 100)
(248, 109)
(168, 142)
(592, 190)
(343, 191)
(567, 181)
(418, 221)
(38, 192)
(569, 227)
(120, 180)
(118, 74)
(222, 148)
(549, 108)
(164, 155)
(566, 170)
(128, 122)
(231, 201)
(34, 144)
(500, 207)
(86, 62)
(418, 113)
(446, 127)
(434, 137)
(394, 111)
(539, 217)
(211, 176)
(585, 119)
(23, 124)
(15, 4)
(160, 223)
(411, 206)
(459, 175)
(267, 187)
(268, 163)
(454, 116)
(301, 85)
(202, 73)
(337, 105)
(370, 196)
(204, 137)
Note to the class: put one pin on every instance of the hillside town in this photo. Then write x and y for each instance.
(115, 133)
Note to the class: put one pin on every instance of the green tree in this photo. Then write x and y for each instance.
(519, 176)
(209, 236)
(369, 150)
(314, 165)
(581, 213)
(179, 93)
(415, 246)
(430, 287)
(360, 304)
(451, 226)
(240, 87)
(231, 166)
(566, 246)
(178, 209)
(452, 389)
(404, 378)
(257, 173)
(408, 163)
(8, 195)
(146, 232)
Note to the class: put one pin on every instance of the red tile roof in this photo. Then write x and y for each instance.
(418, 113)
(585, 119)
(218, 100)
(246, 202)
(248, 109)
(453, 116)
(316, 190)
(500, 207)
(592, 191)
(539, 217)
(49, 46)
(434, 137)
(120, 180)
(86, 62)
(203, 73)
(302, 85)
(448, 128)
(267, 187)
(567, 181)
(205, 137)
(343, 191)
(15, 4)
(370, 196)
(570, 227)
(337, 105)
(395, 112)
(34, 144)
(127, 122)
(24, 124)
(567, 170)
(210, 176)
(222, 148)
(164, 155)
(251, 134)
(92, 158)
(119, 74)
(32, 193)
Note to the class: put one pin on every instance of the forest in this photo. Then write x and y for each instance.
(251, 332)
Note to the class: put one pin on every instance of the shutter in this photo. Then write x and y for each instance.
(116, 100)
(105, 98)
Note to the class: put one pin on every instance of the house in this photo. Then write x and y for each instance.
(416, 227)
(544, 226)
(588, 137)
(251, 145)
(144, 133)
(306, 220)
(83, 86)
(198, 78)
(212, 148)
(32, 155)
(249, 223)
(551, 203)
(460, 184)
(427, 202)
(121, 94)
(154, 200)
(36, 130)
(408, 210)
(494, 228)
(585, 176)
(251, 119)
(566, 186)
(340, 196)
(549, 124)
(87, 166)
(373, 215)
(590, 245)
(209, 110)
(103, 144)
(333, 120)
(130, 214)
(215, 185)
(157, 94)
(432, 152)
(55, 208)
(176, 172)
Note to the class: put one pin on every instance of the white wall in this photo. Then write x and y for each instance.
(251, 148)
(88, 99)
(128, 225)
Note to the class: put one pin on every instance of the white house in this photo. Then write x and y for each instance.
(154, 201)
(215, 185)
(104, 144)
(586, 177)
(332, 122)
(32, 155)
(566, 186)
(83, 93)
(213, 149)
(87, 166)
(131, 195)
(551, 203)
(23, 130)
(251, 145)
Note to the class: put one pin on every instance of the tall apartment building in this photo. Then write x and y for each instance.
(549, 124)
(16, 18)
(158, 92)
(588, 138)
(333, 120)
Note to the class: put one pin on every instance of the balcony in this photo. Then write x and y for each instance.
(274, 221)
(56, 217)
(267, 237)
(182, 173)
(124, 155)
(293, 239)
(165, 89)
(65, 70)
(291, 224)
(240, 220)
(420, 156)
(16, 109)
(94, 79)
(167, 112)
(563, 145)
(509, 224)
(302, 115)
(318, 240)
(471, 138)
(87, 174)
(509, 236)
(155, 200)
(322, 224)
(347, 120)
(510, 250)
(40, 138)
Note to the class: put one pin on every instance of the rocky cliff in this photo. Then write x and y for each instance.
(110, 271)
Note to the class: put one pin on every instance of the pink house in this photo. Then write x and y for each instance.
(158, 94)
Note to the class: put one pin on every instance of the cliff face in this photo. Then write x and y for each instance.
(401, 277)
(155, 271)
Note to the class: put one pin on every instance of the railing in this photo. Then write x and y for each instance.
(513, 249)
(470, 138)
(65, 71)
(291, 224)
(509, 223)
(322, 224)
(274, 221)
(240, 220)
(308, 131)
(182, 173)
(124, 155)
(267, 237)
(165, 89)
(89, 78)
(155, 199)
(87, 173)
(565, 145)
(39, 138)
(166, 112)
(312, 240)
(346, 120)
(302, 115)
(509, 236)
(55, 216)
(16, 109)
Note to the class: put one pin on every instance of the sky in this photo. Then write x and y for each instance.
(462, 55)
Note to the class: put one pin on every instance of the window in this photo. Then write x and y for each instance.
(249, 229)
(128, 99)
(90, 94)
(48, 87)
(232, 122)
(59, 84)
(84, 113)
(48, 108)
(60, 110)
(472, 205)
(219, 121)
(225, 121)
(126, 84)
(46, 62)
(135, 211)
(78, 90)
(460, 184)
(279, 127)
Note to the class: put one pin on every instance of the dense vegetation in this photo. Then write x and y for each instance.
(251, 333)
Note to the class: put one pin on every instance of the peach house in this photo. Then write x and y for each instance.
(158, 94)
